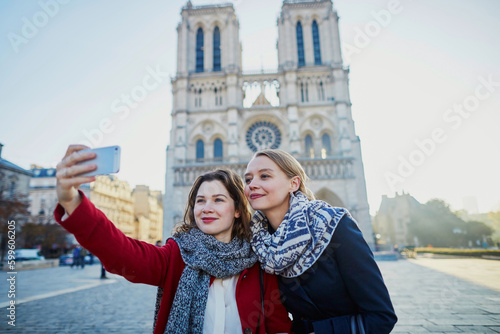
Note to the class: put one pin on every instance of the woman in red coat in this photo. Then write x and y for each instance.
(208, 277)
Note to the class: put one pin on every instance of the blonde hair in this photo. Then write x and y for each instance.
(290, 166)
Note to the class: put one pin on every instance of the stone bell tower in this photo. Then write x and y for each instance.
(315, 93)
(206, 100)
(222, 115)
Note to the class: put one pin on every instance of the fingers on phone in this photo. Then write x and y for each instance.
(83, 179)
(76, 157)
(75, 148)
(75, 170)
(73, 152)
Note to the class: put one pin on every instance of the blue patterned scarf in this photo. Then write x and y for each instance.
(301, 238)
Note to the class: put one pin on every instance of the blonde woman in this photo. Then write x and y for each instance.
(328, 278)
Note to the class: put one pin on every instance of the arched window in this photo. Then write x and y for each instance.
(317, 49)
(326, 144)
(199, 50)
(218, 149)
(300, 44)
(216, 49)
(309, 146)
(200, 150)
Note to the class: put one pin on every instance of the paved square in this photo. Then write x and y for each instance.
(427, 295)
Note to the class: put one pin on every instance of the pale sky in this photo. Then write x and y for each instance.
(424, 85)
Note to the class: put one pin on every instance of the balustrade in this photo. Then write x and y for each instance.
(316, 169)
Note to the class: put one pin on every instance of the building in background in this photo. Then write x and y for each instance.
(138, 213)
(221, 115)
(14, 180)
(14, 193)
(43, 195)
(148, 211)
(393, 218)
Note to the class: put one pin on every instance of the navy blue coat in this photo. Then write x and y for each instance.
(344, 282)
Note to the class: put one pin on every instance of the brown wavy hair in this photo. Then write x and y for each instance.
(236, 189)
(290, 166)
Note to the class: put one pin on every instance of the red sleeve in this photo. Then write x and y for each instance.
(137, 261)
(276, 316)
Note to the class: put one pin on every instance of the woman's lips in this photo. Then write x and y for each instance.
(208, 220)
(254, 196)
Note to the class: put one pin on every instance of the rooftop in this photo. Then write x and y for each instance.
(43, 172)
(13, 167)
(189, 6)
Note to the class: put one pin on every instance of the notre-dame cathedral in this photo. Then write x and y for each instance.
(221, 115)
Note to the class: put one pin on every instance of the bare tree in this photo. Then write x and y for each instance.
(12, 207)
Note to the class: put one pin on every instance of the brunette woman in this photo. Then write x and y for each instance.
(328, 277)
(208, 277)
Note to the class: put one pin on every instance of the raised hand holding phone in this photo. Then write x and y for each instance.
(80, 165)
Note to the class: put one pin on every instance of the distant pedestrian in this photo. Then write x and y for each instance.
(83, 253)
(76, 256)
(103, 272)
(158, 243)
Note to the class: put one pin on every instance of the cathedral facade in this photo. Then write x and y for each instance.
(222, 115)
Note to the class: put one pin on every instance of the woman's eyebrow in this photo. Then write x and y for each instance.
(265, 170)
(260, 171)
(215, 195)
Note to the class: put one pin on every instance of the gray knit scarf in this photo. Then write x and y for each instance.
(204, 256)
(301, 238)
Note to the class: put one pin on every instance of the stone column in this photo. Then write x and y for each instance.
(326, 40)
(335, 37)
(180, 93)
(232, 46)
(293, 129)
(308, 42)
(233, 91)
(232, 132)
(180, 140)
(208, 50)
(290, 85)
(182, 48)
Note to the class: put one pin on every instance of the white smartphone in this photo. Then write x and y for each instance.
(107, 160)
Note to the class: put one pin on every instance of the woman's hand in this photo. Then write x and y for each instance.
(67, 179)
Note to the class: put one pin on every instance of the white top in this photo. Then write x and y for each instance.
(221, 314)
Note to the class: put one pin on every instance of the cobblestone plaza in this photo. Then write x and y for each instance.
(429, 295)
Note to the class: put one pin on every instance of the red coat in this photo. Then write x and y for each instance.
(141, 262)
